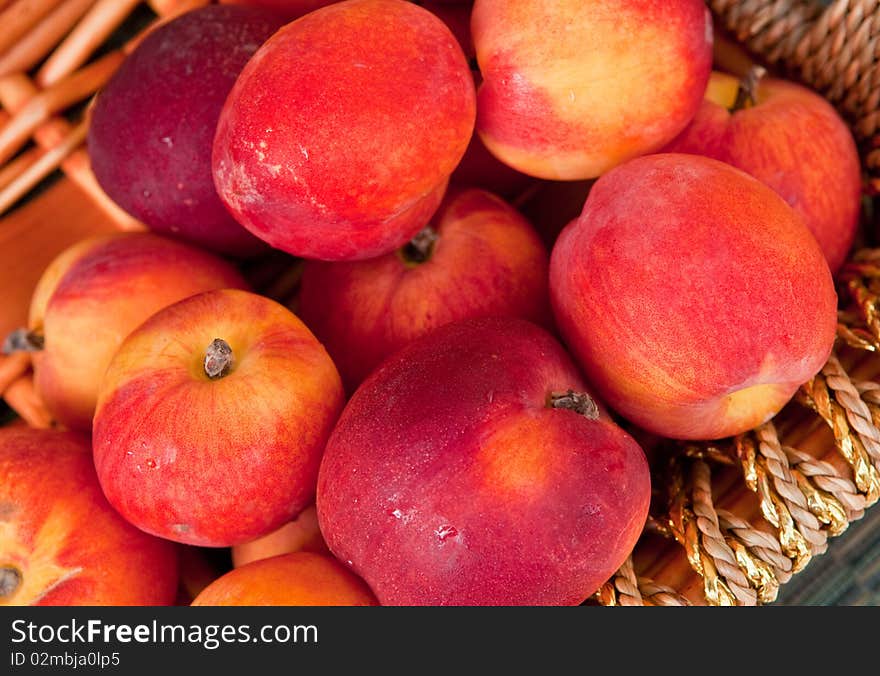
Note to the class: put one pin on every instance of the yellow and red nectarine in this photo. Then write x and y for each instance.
(299, 579)
(61, 543)
(212, 418)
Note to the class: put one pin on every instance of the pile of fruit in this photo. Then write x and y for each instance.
(448, 410)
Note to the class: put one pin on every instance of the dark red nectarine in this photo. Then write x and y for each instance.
(153, 124)
(472, 468)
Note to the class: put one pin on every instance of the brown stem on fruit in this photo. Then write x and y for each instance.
(747, 94)
(218, 359)
(22, 340)
(10, 581)
(579, 402)
(419, 248)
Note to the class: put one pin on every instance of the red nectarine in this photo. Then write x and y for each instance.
(473, 468)
(341, 148)
(693, 296)
(212, 418)
(60, 542)
(478, 258)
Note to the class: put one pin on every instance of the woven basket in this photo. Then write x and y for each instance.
(731, 521)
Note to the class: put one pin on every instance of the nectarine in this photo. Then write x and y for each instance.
(300, 535)
(791, 139)
(299, 579)
(338, 139)
(60, 542)
(212, 418)
(472, 468)
(572, 88)
(289, 9)
(693, 296)
(153, 124)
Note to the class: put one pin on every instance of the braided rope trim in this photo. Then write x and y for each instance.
(625, 589)
(783, 502)
(836, 399)
(805, 499)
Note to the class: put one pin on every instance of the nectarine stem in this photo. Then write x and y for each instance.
(218, 359)
(419, 248)
(747, 94)
(579, 402)
(22, 340)
(10, 579)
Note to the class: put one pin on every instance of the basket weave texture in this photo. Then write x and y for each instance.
(731, 521)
